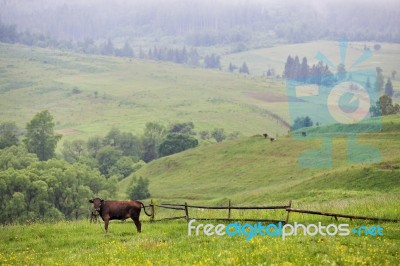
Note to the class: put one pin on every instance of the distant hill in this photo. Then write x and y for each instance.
(255, 170)
(260, 60)
(89, 94)
(244, 24)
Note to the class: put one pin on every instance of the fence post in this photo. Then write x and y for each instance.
(229, 209)
(288, 212)
(186, 212)
(152, 211)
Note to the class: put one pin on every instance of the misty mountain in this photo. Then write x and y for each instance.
(206, 22)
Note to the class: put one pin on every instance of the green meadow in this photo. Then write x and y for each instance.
(89, 94)
(255, 170)
(168, 243)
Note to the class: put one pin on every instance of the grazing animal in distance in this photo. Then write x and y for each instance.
(265, 135)
(119, 210)
(304, 134)
(272, 139)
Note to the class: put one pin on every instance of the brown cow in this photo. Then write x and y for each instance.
(119, 210)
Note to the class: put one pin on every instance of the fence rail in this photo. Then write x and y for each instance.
(287, 208)
(336, 215)
(185, 207)
(163, 205)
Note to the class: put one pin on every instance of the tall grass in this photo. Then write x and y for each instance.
(168, 243)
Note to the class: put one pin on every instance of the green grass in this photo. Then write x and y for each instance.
(255, 170)
(168, 243)
(130, 93)
(248, 171)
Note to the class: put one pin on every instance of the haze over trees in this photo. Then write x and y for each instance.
(205, 23)
(316, 74)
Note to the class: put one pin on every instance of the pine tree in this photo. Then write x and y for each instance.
(296, 68)
(244, 69)
(231, 67)
(389, 88)
(379, 79)
(288, 68)
(305, 70)
(127, 50)
(108, 48)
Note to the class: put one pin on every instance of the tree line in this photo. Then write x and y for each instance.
(36, 183)
(187, 56)
(32, 190)
(208, 23)
(316, 74)
(321, 75)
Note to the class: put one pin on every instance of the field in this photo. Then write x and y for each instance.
(249, 171)
(168, 243)
(255, 170)
(90, 94)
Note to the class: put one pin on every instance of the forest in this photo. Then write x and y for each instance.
(200, 23)
(36, 183)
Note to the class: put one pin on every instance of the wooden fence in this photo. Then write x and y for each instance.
(184, 208)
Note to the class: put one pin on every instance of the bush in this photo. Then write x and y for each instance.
(175, 143)
(301, 122)
(140, 190)
(76, 90)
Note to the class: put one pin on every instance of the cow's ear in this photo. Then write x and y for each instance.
(102, 201)
(91, 201)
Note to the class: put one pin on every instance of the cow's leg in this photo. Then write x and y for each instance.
(106, 220)
(138, 224)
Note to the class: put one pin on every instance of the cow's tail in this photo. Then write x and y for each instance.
(144, 208)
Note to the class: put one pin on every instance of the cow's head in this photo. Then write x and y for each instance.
(96, 203)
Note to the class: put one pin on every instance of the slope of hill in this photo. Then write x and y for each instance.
(255, 170)
(260, 60)
(90, 94)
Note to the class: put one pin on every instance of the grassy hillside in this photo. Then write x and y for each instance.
(255, 170)
(90, 94)
(259, 60)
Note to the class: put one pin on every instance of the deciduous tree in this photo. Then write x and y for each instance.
(40, 137)
(9, 134)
